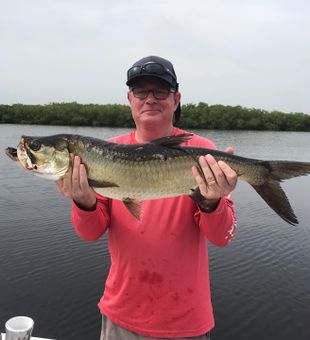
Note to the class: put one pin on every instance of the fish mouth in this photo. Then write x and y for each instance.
(12, 153)
(25, 156)
(24, 161)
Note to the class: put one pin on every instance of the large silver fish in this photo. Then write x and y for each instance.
(159, 169)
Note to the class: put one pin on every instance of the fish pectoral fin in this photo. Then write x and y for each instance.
(172, 141)
(134, 206)
(101, 184)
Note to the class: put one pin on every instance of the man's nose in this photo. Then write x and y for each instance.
(150, 96)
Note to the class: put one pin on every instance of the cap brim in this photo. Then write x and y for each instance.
(164, 77)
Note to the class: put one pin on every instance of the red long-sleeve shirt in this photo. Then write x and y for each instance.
(158, 284)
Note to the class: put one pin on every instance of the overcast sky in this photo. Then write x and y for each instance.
(253, 53)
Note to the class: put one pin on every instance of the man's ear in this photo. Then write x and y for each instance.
(177, 98)
(129, 96)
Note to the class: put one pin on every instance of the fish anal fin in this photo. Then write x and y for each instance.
(272, 193)
(174, 140)
(134, 206)
(101, 184)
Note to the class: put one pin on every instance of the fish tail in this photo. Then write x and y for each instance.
(271, 190)
(281, 170)
(272, 193)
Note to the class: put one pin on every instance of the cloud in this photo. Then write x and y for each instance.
(249, 53)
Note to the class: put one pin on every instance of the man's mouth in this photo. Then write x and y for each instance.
(150, 110)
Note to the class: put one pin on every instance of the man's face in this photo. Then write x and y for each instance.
(151, 110)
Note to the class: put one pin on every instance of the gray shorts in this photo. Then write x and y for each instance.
(111, 331)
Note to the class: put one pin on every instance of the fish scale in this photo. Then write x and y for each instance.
(146, 179)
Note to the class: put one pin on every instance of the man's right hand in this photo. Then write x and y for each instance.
(75, 185)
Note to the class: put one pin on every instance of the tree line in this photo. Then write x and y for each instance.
(194, 116)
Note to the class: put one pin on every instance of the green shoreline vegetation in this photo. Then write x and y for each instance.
(194, 116)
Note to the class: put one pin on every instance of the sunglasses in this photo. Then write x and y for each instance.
(143, 93)
(150, 68)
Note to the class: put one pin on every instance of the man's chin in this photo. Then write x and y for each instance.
(151, 118)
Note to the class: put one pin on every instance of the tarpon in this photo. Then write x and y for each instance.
(159, 169)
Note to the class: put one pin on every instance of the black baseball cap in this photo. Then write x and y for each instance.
(155, 67)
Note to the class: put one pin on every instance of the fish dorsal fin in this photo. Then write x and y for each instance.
(134, 207)
(172, 141)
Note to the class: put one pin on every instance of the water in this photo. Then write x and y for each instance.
(260, 283)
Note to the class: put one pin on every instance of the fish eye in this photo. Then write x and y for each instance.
(35, 145)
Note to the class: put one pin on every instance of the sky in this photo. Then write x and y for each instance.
(253, 53)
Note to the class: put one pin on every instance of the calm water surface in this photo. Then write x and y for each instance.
(260, 283)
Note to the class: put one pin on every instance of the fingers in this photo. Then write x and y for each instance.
(208, 182)
(199, 180)
(217, 180)
(64, 184)
(230, 150)
(70, 182)
(75, 178)
(75, 185)
(230, 174)
(213, 172)
(83, 178)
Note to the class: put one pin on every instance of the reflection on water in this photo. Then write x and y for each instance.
(260, 283)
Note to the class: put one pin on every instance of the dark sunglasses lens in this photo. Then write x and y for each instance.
(132, 72)
(151, 68)
(154, 68)
(159, 69)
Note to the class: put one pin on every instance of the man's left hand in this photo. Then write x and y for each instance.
(219, 179)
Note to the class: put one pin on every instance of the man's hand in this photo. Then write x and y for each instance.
(75, 185)
(219, 179)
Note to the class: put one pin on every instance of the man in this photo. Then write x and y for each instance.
(158, 285)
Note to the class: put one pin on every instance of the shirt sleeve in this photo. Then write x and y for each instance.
(91, 225)
(218, 226)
